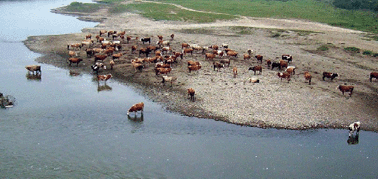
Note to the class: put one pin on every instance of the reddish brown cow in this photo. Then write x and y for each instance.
(133, 48)
(373, 75)
(186, 45)
(128, 38)
(232, 53)
(100, 57)
(194, 67)
(268, 63)
(345, 88)
(308, 77)
(214, 47)
(190, 62)
(144, 50)
(225, 61)
(187, 50)
(178, 54)
(284, 75)
(161, 70)
(283, 64)
(217, 65)
(256, 68)
(111, 63)
(235, 71)
(138, 66)
(103, 77)
(103, 32)
(247, 56)
(76, 45)
(135, 108)
(75, 60)
(259, 58)
(191, 93)
(209, 56)
(117, 56)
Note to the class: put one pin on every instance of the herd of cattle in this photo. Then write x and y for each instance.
(109, 47)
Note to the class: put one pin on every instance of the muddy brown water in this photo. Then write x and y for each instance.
(65, 125)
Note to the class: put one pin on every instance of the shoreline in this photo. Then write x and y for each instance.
(233, 105)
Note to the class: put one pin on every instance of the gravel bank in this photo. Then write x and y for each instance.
(220, 96)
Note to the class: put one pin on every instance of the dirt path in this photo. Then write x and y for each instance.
(270, 103)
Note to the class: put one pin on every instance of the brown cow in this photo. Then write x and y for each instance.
(187, 50)
(232, 53)
(235, 71)
(284, 75)
(191, 93)
(75, 60)
(136, 107)
(103, 77)
(283, 64)
(308, 77)
(100, 57)
(226, 61)
(138, 66)
(217, 65)
(345, 88)
(209, 56)
(256, 68)
(194, 67)
(161, 70)
(259, 58)
(373, 75)
(247, 56)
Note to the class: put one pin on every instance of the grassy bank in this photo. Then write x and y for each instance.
(82, 7)
(292, 9)
(169, 12)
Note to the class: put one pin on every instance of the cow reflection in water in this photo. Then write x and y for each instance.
(103, 87)
(136, 122)
(74, 73)
(135, 118)
(36, 77)
(353, 139)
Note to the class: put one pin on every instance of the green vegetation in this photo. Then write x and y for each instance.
(82, 7)
(367, 52)
(352, 49)
(314, 10)
(325, 47)
(169, 12)
(357, 4)
(243, 30)
(293, 9)
(197, 31)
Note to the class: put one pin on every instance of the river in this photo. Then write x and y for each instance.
(65, 126)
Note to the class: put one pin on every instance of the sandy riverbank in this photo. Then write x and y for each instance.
(220, 96)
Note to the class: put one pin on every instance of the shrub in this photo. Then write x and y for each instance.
(367, 52)
(352, 49)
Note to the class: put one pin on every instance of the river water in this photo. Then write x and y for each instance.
(63, 126)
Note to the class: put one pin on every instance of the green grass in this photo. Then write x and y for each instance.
(169, 12)
(243, 30)
(312, 10)
(294, 9)
(367, 52)
(352, 49)
(82, 7)
(325, 47)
